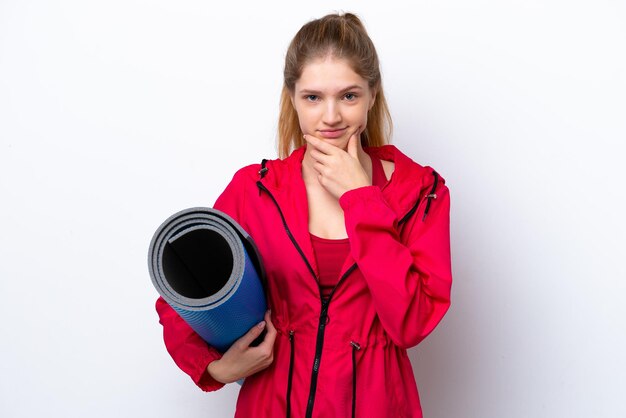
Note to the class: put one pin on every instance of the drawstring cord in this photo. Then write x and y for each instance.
(293, 344)
(262, 172)
(355, 347)
(432, 195)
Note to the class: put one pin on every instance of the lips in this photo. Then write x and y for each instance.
(332, 133)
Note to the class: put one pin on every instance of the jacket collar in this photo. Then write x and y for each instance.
(401, 192)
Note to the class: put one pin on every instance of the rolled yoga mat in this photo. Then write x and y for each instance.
(208, 269)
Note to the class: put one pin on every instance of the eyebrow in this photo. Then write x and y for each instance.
(352, 87)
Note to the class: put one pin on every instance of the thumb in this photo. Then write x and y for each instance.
(252, 334)
(352, 145)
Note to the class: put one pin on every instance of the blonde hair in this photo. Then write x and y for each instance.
(343, 37)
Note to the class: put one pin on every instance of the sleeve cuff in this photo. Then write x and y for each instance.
(360, 196)
(204, 380)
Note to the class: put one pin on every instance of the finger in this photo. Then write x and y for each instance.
(320, 168)
(312, 141)
(270, 337)
(319, 144)
(252, 334)
(319, 156)
(352, 145)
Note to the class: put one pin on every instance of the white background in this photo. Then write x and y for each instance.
(114, 115)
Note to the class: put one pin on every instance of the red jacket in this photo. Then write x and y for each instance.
(347, 355)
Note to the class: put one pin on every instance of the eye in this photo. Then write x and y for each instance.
(350, 97)
(310, 97)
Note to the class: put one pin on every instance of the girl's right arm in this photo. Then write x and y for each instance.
(206, 366)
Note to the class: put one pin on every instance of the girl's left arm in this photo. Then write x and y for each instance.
(409, 283)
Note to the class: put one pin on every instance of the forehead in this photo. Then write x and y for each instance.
(328, 74)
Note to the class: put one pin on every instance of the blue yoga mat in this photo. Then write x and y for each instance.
(208, 269)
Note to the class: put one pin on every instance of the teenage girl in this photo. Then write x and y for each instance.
(354, 238)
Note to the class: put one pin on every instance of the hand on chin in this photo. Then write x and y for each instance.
(338, 169)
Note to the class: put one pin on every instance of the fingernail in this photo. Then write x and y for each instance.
(262, 324)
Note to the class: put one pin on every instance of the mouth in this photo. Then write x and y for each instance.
(332, 133)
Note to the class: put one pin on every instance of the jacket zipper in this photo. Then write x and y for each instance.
(321, 327)
(355, 347)
(292, 342)
(319, 344)
(293, 240)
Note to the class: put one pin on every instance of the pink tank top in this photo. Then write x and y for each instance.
(330, 254)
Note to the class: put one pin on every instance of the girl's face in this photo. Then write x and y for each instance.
(332, 101)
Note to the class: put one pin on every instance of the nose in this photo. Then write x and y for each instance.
(332, 114)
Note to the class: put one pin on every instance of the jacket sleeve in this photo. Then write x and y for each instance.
(188, 350)
(409, 283)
